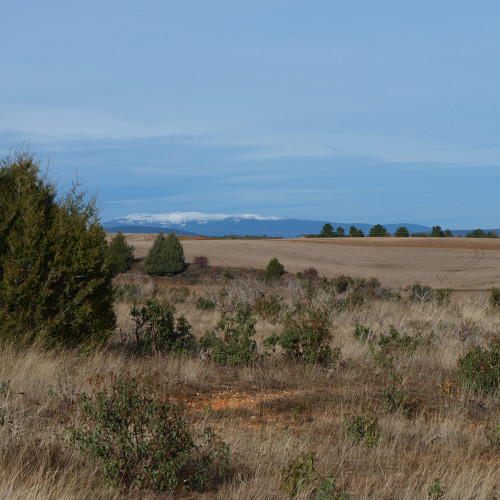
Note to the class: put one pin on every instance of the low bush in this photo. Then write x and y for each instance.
(268, 306)
(392, 344)
(205, 304)
(479, 369)
(494, 435)
(298, 474)
(157, 331)
(363, 334)
(395, 399)
(310, 273)
(200, 261)
(141, 440)
(362, 429)
(306, 338)
(232, 343)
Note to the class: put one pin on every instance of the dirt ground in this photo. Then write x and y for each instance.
(458, 263)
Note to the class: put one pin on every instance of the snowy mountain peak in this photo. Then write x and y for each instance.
(181, 218)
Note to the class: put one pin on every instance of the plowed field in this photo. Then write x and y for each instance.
(457, 263)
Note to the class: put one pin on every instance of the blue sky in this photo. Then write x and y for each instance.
(331, 110)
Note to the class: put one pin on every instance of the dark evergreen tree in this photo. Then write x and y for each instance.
(437, 232)
(120, 253)
(166, 256)
(55, 282)
(340, 231)
(274, 269)
(402, 232)
(326, 231)
(378, 230)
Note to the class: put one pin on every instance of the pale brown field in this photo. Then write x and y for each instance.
(457, 263)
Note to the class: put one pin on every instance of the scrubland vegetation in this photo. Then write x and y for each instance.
(297, 387)
(226, 382)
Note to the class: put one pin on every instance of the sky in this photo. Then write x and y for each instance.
(341, 110)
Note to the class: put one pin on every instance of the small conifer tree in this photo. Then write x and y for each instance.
(274, 269)
(120, 253)
(166, 256)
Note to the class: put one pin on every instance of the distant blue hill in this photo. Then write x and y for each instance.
(194, 223)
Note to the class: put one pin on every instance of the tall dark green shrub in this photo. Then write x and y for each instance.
(120, 253)
(274, 269)
(326, 231)
(166, 256)
(55, 282)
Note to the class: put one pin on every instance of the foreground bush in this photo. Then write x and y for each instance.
(306, 339)
(232, 343)
(479, 369)
(55, 281)
(157, 330)
(141, 440)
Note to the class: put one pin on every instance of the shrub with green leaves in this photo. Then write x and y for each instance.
(328, 490)
(268, 306)
(394, 397)
(392, 344)
(166, 256)
(362, 429)
(306, 338)
(494, 435)
(141, 440)
(274, 270)
(157, 330)
(55, 281)
(363, 334)
(298, 474)
(231, 342)
(205, 304)
(479, 369)
(120, 254)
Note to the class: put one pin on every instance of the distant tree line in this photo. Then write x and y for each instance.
(378, 230)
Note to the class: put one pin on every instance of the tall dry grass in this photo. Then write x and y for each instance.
(271, 412)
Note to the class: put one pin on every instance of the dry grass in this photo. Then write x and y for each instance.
(270, 412)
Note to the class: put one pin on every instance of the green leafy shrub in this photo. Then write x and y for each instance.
(306, 339)
(298, 474)
(158, 331)
(362, 429)
(395, 399)
(274, 270)
(435, 491)
(479, 369)
(232, 343)
(268, 306)
(392, 344)
(55, 280)
(140, 439)
(328, 490)
(205, 304)
(166, 256)
(120, 254)
(363, 334)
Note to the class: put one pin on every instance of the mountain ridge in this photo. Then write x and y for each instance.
(199, 223)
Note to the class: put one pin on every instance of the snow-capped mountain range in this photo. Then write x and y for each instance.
(198, 223)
